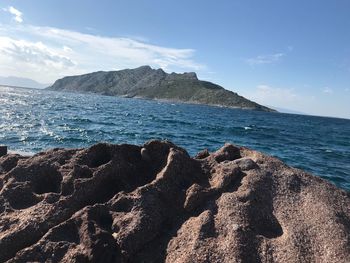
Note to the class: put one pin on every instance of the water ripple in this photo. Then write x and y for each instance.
(34, 120)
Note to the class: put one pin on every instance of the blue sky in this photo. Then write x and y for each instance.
(288, 54)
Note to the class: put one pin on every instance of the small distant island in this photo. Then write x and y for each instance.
(145, 82)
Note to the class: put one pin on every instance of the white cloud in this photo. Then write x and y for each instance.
(264, 59)
(327, 90)
(300, 100)
(276, 97)
(268, 94)
(67, 49)
(33, 52)
(47, 53)
(32, 60)
(17, 14)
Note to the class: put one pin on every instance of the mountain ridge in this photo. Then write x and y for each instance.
(145, 82)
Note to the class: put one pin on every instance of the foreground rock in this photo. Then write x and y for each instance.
(125, 203)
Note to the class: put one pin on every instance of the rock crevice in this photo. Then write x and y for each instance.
(154, 203)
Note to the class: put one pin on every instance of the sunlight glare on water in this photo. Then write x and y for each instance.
(35, 120)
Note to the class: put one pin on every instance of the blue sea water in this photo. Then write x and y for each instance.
(34, 120)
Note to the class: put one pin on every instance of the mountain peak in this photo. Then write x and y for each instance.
(145, 67)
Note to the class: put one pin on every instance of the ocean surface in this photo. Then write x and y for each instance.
(35, 120)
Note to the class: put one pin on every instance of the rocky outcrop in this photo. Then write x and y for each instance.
(154, 203)
(148, 83)
(3, 150)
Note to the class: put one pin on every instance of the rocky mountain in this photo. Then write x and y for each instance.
(145, 82)
(154, 203)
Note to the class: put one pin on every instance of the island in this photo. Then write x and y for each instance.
(145, 82)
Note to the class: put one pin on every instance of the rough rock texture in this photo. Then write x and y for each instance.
(145, 82)
(3, 150)
(153, 203)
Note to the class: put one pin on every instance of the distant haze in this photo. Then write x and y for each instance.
(22, 82)
(284, 110)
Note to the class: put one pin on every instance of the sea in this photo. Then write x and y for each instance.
(34, 120)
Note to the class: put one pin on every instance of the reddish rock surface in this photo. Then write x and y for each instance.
(153, 203)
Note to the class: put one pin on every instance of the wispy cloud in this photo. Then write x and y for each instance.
(308, 100)
(327, 90)
(17, 14)
(265, 59)
(47, 53)
(281, 97)
(268, 94)
(33, 52)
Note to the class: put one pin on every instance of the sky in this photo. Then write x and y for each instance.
(289, 54)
